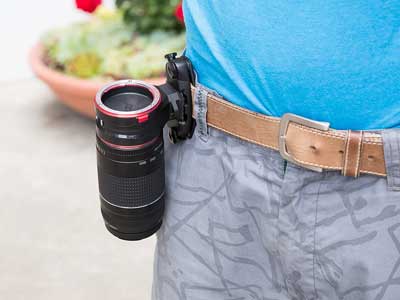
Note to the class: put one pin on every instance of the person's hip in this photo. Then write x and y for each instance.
(241, 221)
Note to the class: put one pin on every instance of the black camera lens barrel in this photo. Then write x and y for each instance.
(130, 116)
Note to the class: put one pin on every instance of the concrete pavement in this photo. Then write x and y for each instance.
(53, 243)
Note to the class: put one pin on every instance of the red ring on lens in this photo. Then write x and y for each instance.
(141, 113)
(127, 148)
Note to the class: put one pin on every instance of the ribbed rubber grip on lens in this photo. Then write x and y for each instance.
(131, 192)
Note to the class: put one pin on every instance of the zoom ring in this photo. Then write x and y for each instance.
(132, 192)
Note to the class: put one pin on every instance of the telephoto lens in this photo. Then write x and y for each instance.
(130, 116)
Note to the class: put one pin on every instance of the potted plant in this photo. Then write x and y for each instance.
(127, 42)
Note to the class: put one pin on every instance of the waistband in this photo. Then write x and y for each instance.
(308, 143)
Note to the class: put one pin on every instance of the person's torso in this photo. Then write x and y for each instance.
(334, 60)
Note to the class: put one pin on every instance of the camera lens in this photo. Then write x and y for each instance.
(134, 99)
(130, 116)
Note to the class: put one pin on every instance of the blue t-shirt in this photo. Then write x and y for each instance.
(328, 60)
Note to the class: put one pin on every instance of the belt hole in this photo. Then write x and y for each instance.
(341, 151)
(313, 148)
(371, 157)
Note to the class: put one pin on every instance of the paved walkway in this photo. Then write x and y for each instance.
(53, 242)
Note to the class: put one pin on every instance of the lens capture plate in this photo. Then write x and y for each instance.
(107, 110)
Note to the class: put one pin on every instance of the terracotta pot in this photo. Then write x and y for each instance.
(76, 93)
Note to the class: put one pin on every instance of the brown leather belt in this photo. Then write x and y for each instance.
(302, 141)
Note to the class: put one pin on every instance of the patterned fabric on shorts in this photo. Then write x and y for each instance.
(241, 224)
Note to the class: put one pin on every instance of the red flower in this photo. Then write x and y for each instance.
(179, 13)
(87, 5)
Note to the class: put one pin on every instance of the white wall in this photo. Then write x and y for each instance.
(21, 25)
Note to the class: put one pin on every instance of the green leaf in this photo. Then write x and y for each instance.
(106, 46)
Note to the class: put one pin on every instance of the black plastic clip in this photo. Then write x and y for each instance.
(180, 76)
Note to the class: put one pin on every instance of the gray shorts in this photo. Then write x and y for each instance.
(240, 223)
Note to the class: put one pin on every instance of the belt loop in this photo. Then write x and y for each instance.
(200, 107)
(352, 153)
(391, 149)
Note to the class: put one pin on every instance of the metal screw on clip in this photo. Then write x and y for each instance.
(170, 68)
(171, 56)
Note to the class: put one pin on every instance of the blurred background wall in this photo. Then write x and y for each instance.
(21, 25)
